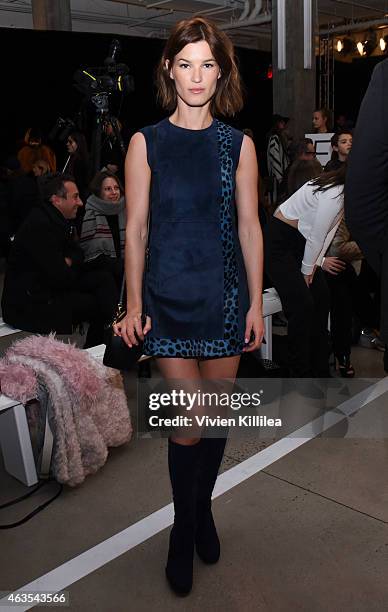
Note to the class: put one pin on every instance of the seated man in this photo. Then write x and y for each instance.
(46, 287)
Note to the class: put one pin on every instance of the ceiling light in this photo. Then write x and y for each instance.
(360, 48)
(339, 46)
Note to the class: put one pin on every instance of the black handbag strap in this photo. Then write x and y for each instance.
(153, 181)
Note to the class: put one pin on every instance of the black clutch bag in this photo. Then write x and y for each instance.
(117, 353)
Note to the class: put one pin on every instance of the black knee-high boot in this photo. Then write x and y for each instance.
(183, 463)
(206, 539)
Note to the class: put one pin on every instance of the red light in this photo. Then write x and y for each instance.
(269, 72)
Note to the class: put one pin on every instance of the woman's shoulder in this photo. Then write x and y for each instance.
(149, 130)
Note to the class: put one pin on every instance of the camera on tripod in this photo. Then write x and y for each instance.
(107, 79)
(97, 86)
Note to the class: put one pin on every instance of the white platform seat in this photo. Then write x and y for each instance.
(7, 330)
(271, 305)
(15, 441)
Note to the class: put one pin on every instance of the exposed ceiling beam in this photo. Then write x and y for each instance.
(354, 27)
(359, 5)
(246, 23)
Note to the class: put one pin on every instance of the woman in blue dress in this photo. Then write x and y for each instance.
(191, 191)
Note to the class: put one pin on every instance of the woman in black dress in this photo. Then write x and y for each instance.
(202, 289)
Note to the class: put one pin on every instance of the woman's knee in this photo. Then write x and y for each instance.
(185, 441)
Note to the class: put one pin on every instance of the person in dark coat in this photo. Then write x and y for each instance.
(5, 223)
(45, 287)
(366, 203)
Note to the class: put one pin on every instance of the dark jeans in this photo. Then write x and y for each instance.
(349, 295)
(306, 308)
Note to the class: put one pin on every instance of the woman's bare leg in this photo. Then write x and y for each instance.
(219, 369)
(186, 371)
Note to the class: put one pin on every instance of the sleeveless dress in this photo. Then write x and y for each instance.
(195, 286)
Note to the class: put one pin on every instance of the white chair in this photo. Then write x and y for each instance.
(271, 305)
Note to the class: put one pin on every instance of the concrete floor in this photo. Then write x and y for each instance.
(307, 533)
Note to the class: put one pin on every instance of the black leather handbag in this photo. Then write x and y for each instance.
(117, 353)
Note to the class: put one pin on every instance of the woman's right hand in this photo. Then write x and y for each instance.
(333, 265)
(130, 328)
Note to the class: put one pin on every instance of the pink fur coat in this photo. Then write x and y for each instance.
(86, 403)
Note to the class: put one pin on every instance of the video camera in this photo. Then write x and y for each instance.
(107, 79)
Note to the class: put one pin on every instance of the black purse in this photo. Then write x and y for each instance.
(117, 353)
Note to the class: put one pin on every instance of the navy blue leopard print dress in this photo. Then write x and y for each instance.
(195, 286)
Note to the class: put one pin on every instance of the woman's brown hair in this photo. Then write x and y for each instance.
(331, 179)
(227, 99)
(300, 172)
(95, 185)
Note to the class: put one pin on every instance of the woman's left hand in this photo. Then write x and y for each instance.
(254, 326)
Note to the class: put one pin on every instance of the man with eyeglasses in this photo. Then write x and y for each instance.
(305, 149)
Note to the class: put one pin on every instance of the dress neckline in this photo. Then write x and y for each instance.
(182, 129)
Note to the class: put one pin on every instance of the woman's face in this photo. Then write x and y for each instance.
(39, 169)
(319, 122)
(71, 145)
(110, 190)
(344, 146)
(195, 73)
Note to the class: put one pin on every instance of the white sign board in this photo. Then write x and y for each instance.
(322, 146)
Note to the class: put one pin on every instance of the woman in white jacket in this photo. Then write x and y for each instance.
(297, 237)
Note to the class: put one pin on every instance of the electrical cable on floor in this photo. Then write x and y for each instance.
(26, 496)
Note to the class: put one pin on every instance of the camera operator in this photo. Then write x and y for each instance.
(46, 285)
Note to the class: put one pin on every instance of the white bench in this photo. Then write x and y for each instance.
(271, 305)
(7, 330)
(15, 441)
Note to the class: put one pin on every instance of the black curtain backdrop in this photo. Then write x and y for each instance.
(37, 75)
(351, 82)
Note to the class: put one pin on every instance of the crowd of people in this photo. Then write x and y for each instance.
(63, 237)
(350, 291)
(77, 276)
(45, 275)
